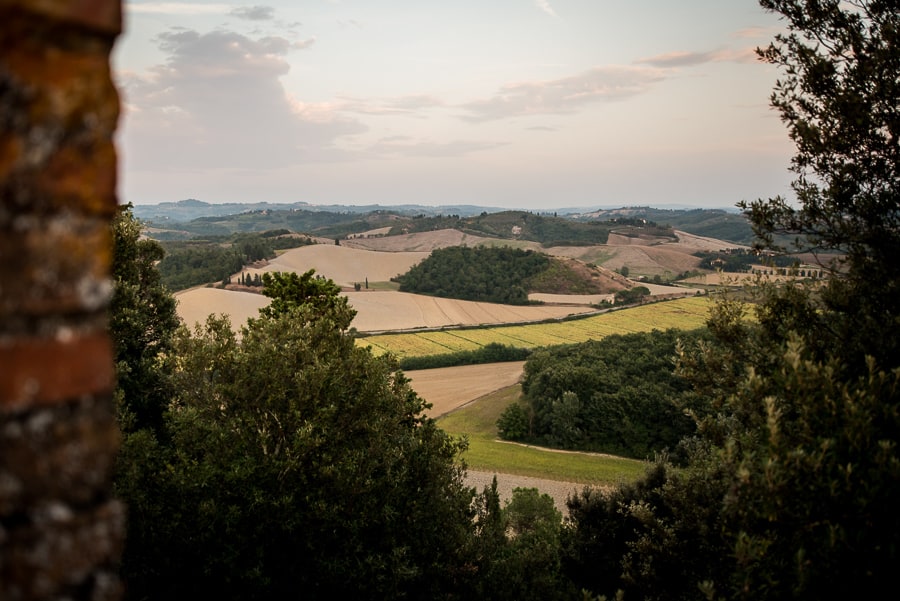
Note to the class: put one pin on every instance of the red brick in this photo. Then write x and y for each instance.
(46, 371)
(101, 16)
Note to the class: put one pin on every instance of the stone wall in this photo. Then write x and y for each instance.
(61, 532)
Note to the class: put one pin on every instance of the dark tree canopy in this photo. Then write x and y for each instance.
(490, 274)
(320, 297)
(794, 478)
(615, 395)
(838, 95)
(142, 320)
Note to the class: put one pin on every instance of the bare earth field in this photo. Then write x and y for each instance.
(377, 311)
(345, 265)
(195, 304)
(448, 388)
(645, 256)
(380, 310)
(387, 310)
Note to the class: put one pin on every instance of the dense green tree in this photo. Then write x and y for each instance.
(794, 475)
(142, 320)
(290, 290)
(299, 466)
(615, 395)
(517, 548)
(838, 96)
(514, 423)
(491, 274)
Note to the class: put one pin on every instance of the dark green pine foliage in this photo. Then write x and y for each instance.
(490, 274)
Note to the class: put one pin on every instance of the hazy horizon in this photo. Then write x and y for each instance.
(525, 104)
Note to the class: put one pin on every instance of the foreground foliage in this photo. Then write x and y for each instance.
(298, 463)
(793, 480)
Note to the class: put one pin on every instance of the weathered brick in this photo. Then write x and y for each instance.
(56, 555)
(54, 265)
(65, 453)
(100, 16)
(60, 534)
(45, 371)
(57, 106)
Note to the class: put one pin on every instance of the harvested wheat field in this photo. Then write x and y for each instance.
(377, 311)
(448, 388)
(345, 265)
(429, 241)
(196, 304)
(380, 311)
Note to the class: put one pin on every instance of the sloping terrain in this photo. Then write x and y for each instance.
(385, 310)
(196, 304)
(377, 311)
(345, 265)
(448, 388)
(643, 255)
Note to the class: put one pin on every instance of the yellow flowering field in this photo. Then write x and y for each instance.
(684, 313)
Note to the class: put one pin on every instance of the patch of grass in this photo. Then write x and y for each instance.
(477, 421)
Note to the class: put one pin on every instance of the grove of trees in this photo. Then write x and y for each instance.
(202, 261)
(617, 395)
(490, 274)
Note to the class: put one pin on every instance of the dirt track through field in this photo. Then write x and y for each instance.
(449, 388)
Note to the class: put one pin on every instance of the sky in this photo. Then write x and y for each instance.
(529, 104)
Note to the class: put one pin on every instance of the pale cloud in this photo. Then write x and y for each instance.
(566, 95)
(254, 13)
(405, 146)
(218, 102)
(671, 60)
(544, 5)
(756, 32)
(177, 8)
(399, 105)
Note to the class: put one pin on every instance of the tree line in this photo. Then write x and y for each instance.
(617, 395)
(196, 262)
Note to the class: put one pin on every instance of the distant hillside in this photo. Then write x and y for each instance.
(186, 210)
(193, 218)
(710, 223)
(502, 275)
(548, 230)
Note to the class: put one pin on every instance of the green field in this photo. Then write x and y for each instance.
(684, 313)
(477, 421)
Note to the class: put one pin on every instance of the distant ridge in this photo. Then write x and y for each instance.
(191, 208)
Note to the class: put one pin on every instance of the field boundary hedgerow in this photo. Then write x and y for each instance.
(683, 313)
